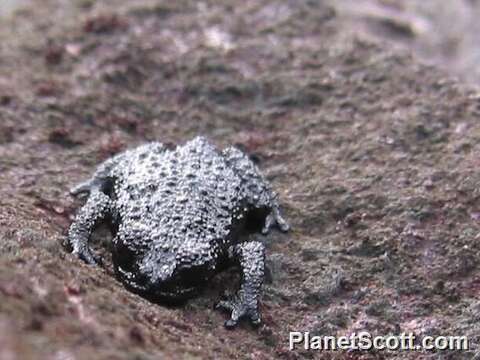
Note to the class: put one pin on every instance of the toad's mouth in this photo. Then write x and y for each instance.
(155, 291)
(175, 293)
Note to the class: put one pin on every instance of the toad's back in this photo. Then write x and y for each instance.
(191, 190)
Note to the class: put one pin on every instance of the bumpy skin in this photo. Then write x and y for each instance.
(180, 216)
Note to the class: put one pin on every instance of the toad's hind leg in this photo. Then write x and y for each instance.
(110, 168)
(98, 206)
(257, 190)
(100, 178)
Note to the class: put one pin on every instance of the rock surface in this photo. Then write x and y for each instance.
(375, 158)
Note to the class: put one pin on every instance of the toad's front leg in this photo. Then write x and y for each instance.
(251, 258)
(98, 205)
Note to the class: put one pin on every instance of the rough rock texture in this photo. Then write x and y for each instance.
(374, 157)
(443, 33)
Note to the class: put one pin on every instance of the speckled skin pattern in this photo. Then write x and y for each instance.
(180, 216)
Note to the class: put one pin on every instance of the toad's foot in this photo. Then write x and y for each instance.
(240, 307)
(81, 189)
(275, 218)
(87, 256)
